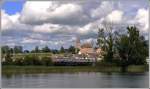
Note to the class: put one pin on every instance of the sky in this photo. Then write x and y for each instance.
(58, 23)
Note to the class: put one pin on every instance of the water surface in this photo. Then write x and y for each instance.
(77, 80)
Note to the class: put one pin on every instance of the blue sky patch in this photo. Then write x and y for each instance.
(12, 7)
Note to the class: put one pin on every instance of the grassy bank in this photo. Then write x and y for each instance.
(53, 69)
(141, 68)
(68, 69)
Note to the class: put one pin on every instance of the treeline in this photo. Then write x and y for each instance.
(32, 57)
(27, 60)
(123, 48)
(19, 49)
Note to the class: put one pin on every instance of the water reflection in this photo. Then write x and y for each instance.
(76, 80)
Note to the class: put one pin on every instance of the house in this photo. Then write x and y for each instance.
(87, 49)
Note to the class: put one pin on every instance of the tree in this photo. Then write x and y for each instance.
(36, 49)
(55, 51)
(101, 41)
(5, 49)
(8, 59)
(46, 49)
(62, 50)
(18, 49)
(132, 48)
(138, 49)
(106, 40)
(72, 49)
(46, 61)
(26, 51)
(11, 50)
(31, 60)
(123, 51)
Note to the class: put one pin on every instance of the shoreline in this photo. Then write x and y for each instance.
(68, 69)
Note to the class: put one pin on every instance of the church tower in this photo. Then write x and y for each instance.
(78, 44)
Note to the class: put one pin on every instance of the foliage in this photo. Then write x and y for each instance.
(62, 50)
(8, 60)
(28, 60)
(18, 49)
(131, 48)
(106, 41)
(19, 61)
(72, 49)
(47, 61)
(5, 49)
(46, 49)
(31, 60)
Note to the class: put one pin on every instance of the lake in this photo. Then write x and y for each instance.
(77, 80)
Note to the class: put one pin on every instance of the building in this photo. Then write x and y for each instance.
(87, 49)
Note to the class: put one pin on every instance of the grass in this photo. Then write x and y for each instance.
(21, 55)
(63, 69)
(140, 68)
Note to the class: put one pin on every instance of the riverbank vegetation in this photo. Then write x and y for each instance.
(123, 48)
(6, 70)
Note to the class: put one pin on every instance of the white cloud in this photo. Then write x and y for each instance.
(88, 29)
(85, 29)
(115, 16)
(142, 18)
(34, 11)
(40, 12)
(52, 29)
(28, 40)
(12, 23)
(104, 8)
(46, 28)
(6, 21)
(66, 10)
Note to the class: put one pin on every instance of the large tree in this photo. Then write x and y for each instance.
(106, 40)
(62, 50)
(18, 49)
(132, 48)
(72, 49)
(46, 49)
(37, 49)
(5, 49)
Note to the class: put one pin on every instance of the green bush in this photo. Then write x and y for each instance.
(46, 61)
(8, 60)
(18, 61)
(31, 60)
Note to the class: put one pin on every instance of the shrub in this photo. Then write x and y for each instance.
(8, 60)
(18, 61)
(31, 60)
(46, 61)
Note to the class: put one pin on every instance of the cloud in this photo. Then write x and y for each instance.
(115, 16)
(57, 24)
(104, 8)
(28, 40)
(142, 18)
(12, 26)
(34, 12)
(51, 28)
(6, 21)
(52, 12)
